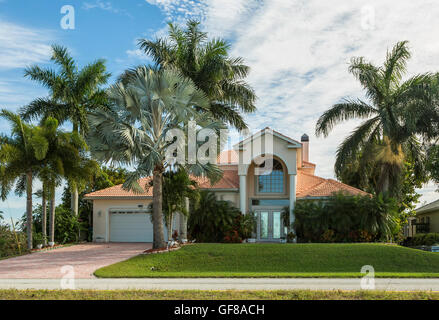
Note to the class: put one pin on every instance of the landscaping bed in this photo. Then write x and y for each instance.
(278, 260)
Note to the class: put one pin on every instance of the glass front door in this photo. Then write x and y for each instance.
(269, 225)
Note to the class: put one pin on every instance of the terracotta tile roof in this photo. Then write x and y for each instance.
(306, 182)
(312, 186)
(308, 164)
(230, 180)
(119, 192)
(308, 185)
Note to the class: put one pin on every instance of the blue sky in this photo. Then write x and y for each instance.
(298, 51)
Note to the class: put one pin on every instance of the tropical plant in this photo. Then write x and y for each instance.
(208, 64)
(66, 224)
(64, 160)
(211, 219)
(398, 113)
(21, 155)
(245, 225)
(73, 93)
(423, 239)
(433, 162)
(11, 243)
(344, 218)
(177, 187)
(139, 125)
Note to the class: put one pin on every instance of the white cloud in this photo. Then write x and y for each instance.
(104, 5)
(178, 8)
(138, 54)
(299, 53)
(429, 194)
(15, 93)
(21, 46)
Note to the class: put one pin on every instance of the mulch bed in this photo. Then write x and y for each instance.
(163, 250)
(57, 246)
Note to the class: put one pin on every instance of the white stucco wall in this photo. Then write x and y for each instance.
(434, 220)
(233, 197)
(281, 149)
(101, 218)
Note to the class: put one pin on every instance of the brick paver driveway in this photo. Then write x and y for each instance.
(85, 259)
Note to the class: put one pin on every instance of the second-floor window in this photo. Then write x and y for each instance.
(273, 182)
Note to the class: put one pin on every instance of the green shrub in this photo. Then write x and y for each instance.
(424, 239)
(67, 225)
(8, 242)
(213, 220)
(344, 218)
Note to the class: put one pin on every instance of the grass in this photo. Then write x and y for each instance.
(214, 295)
(278, 260)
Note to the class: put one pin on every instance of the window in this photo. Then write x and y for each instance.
(271, 202)
(273, 182)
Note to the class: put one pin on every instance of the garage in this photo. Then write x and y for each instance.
(130, 226)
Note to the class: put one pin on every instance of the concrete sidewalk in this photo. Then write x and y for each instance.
(220, 284)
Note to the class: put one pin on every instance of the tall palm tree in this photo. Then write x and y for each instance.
(398, 112)
(134, 128)
(64, 159)
(208, 64)
(73, 93)
(21, 155)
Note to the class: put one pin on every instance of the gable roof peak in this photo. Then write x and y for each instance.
(293, 143)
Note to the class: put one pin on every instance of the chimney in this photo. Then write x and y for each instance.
(305, 149)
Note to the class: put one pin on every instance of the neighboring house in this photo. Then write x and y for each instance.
(427, 219)
(122, 216)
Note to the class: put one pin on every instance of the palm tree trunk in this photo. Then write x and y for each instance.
(74, 202)
(183, 223)
(386, 184)
(170, 218)
(157, 214)
(52, 216)
(44, 216)
(29, 209)
(385, 180)
(74, 196)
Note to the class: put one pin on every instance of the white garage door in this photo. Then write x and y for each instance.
(130, 227)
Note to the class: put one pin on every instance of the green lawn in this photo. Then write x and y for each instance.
(278, 260)
(213, 295)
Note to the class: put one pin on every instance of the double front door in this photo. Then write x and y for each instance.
(269, 225)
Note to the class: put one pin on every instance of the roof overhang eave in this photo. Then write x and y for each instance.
(118, 198)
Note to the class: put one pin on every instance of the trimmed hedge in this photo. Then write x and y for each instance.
(423, 239)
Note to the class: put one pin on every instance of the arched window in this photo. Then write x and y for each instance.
(272, 182)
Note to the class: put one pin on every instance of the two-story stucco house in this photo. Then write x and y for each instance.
(121, 216)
